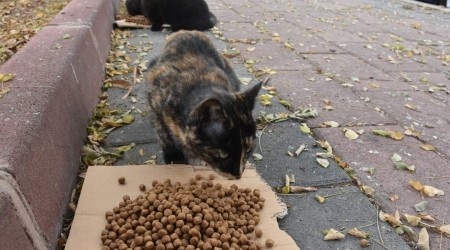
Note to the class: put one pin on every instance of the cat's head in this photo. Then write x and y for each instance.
(222, 131)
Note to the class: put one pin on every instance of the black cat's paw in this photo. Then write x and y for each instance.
(174, 156)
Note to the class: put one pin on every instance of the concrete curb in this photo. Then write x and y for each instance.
(57, 79)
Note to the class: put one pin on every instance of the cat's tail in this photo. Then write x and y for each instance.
(212, 19)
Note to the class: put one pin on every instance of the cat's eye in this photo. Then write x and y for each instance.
(223, 154)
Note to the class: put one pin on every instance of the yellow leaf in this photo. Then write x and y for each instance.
(5, 77)
(390, 219)
(305, 129)
(141, 152)
(411, 106)
(128, 119)
(368, 190)
(424, 240)
(323, 162)
(428, 147)
(320, 199)
(416, 185)
(445, 230)
(374, 85)
(358, 233)
(397, 135)
(331, 124)
(333, 235)
(394, 197)
(265, 99)
(350, 134)
(427, 217)
(432, 191)
(413, 220)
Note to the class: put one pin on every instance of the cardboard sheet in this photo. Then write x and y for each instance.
(101, 192)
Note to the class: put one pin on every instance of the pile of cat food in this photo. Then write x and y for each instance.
(200, 214)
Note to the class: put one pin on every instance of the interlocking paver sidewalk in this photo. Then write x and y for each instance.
(380, 65)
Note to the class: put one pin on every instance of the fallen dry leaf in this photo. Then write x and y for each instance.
(368, 190)
(331, 124)
(427, 190)
(391, 219)
(445, 230)
(396, 135)
(404, 166)
(421, 206)
(333, 235)
(320, 199)
(358, 233)
(350, 134)
(323, 162)
(432, 191)
(413, 220)
(424, 240)
(428, 147)
(305, 129)
(396, 157)
(411, 106)
(394, 197)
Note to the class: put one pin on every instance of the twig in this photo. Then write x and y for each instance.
(381, 244)
(259, 138)
(134, 75)
(368, 225)
(437, 177)
(348, 123)
(302, 194)
(378, 226)
(336, 194)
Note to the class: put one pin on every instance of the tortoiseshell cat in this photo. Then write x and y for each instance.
(198, 112)
(180, 14)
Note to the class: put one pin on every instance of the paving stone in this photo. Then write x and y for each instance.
(242, 31)
(429, 119)
(372, 151)
(295, 87)
(305, 41)
(272, 55)
(279, 138)
(340, 212)
(388, 60)
(348, 66)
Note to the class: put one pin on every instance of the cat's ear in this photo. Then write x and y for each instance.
(209, 119)
(248, 96)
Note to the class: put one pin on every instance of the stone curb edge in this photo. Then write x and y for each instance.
(56, 84)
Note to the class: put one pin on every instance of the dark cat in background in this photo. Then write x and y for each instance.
(199, 113)
(180, 14)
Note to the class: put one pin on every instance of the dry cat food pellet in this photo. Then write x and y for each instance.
(196, 215)
(121, 180)
(258, 232)
(269, 243)
(142, 187)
